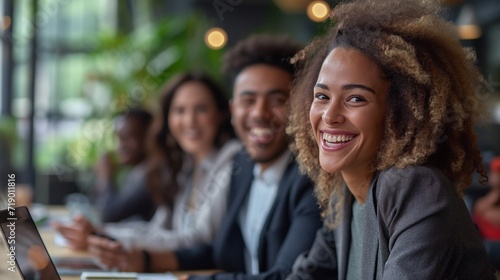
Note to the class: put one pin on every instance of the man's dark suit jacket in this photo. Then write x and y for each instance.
(289, 229)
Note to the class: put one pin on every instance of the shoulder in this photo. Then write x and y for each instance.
(293, 169)
(242, 161)
(226, 154)
(414, 189)
(293, 176)
(228, 150)
(299, 183)
(419, 185)
(411, 178)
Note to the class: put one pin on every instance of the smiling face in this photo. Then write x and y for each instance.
(193, 119)
(259, 111)
(347, 112)
(131, 134)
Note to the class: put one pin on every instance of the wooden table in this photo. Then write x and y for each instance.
(48, 236)
(57, 251)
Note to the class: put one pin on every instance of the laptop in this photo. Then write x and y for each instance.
(28, 258)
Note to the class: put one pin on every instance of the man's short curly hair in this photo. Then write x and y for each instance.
(274, 50)
(431, 102)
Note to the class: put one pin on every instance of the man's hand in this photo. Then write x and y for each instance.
(76, 233)
(112, 254)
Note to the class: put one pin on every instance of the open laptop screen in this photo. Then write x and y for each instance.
(26, 252)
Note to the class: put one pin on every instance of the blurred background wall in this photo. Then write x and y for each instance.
(68, 65)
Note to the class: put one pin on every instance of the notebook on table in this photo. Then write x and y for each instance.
(28, 258)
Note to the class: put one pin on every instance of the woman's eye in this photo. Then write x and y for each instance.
(178, 110)
(356, 99)
(320, 96)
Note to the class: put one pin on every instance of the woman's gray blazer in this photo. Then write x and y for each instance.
(416, 227)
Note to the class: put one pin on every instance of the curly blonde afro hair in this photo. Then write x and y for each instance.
(432, 100)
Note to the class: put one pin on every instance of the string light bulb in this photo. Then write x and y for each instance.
(318, 11)
(467, 24)
(216, 38)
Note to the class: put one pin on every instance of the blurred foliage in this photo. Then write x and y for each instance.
(8, 131)
(13, 153)
(129, 71)
(133, 67)
(8, 139)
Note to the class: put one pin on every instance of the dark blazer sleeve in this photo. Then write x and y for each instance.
(305, 221)
(428, 231)
(133, 198)
(320, 262)
(119, 206)
(304, 215)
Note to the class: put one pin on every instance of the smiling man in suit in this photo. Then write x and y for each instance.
(272, 214)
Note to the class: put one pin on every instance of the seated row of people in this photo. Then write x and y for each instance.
(366, 120)
(271, 211)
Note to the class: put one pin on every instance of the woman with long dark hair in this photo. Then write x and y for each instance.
(191, 151)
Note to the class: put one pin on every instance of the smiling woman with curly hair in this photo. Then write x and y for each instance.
(387, 135)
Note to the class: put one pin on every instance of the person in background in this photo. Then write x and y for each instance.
(272, 214)
(192, 147)
(387, 135)
(487, 214)
(129, 198)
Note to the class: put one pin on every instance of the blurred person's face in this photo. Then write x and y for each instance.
(131, 134)
(494, 179)
(258, 111)
(348, 112)
(194, 119)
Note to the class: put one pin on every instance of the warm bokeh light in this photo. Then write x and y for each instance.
(469, 32)
(318, 11)
(216, 38)
(468, 24)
